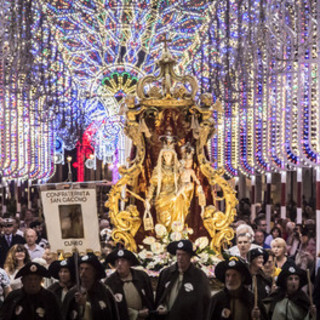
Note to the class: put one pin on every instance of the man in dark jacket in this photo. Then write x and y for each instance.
(235, 301)
(289, 301)
(132, 288)
(93, 300)
(31, 301)
(8, 239)
(183, 290)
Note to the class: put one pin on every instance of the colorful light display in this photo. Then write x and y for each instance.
(67, 64)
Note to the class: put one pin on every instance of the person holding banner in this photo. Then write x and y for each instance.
(91, 299)
(257, 258)
(235, 301)
(289, 301)
(131, 287)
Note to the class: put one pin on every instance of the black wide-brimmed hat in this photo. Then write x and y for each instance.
(289, 271)
(185, 245)
(236, 264)
(33, 268)
(93, 260)
(256, 252)
(57, 265)
(122, 253)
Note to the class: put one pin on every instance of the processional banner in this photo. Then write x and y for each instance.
(71, 219)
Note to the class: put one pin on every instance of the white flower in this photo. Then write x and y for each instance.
(143, 254)
(177, 226)
(202, 242)
(149, 240)
(160, 230)
(204, 257)
(41, 312)
(102, 305)
(176, 236)
(225, 313)
(149, 255)
(156, 247)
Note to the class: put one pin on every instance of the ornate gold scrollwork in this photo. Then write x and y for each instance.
(158, 97)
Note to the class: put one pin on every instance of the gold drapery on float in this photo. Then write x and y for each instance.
(169, 177)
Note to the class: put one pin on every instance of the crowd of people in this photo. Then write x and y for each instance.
(265, 276)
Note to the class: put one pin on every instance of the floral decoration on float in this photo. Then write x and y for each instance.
(154, 257)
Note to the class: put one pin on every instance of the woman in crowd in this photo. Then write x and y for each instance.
(279, 248)
(17, 257)
(274, 233)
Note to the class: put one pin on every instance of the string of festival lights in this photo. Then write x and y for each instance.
(67, 65)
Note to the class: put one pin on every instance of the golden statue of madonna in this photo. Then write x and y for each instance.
(172, 181)
(169, 177)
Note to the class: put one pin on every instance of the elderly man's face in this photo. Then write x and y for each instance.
(293, 283)
(183, 260)
(31, 283)
(233, 279)
(243, 244)
(122, 267)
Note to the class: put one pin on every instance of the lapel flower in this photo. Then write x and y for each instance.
(18, 310)
(188, 287)
(74, 314)
(226, 313)
(40, 312)
(102, 305)
(118, 297)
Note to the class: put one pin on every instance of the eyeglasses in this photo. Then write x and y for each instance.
(19, 250)
(8, 225)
